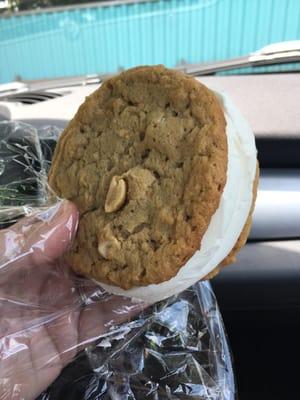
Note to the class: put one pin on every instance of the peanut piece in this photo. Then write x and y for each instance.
(166, 216)
(108, 244)
(116, 195)
(108, 247)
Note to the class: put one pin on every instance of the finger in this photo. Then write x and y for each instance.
(29, 363)
(49, 237)
(56, 231)
(41, 238)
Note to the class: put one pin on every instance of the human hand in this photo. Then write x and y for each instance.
(46, 313)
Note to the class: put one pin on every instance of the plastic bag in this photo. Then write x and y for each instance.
(57, 326)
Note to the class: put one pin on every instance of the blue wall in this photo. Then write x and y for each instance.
(104, 39)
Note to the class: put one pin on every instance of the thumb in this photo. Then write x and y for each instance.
(40, 238)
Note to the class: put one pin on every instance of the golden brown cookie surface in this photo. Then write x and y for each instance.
(145, 161)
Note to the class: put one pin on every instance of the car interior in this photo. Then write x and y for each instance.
(259, 295)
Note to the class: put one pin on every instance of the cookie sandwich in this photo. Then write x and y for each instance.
(164, 174)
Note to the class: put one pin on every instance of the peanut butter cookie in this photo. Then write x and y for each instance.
(145, 161)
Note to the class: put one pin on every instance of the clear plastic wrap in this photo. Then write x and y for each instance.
(62, 336)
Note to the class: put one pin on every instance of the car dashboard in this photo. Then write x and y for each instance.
(259, 296)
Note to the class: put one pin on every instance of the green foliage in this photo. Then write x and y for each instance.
(23, 5)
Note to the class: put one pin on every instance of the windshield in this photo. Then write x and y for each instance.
(45, 39)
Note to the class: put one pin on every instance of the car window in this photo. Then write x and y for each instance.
(42, 39)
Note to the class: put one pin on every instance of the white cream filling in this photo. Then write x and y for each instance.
(228, 221)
